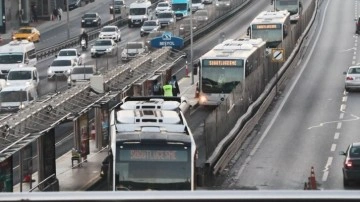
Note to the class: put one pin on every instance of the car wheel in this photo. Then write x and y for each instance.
(347, 89)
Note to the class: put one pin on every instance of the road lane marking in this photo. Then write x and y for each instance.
(343, 107)
(326, 170)
(344, 99)
(336, 136)
(338, 125)
(341, 116)
(333, 147)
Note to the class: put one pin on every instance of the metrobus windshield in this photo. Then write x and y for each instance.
(221, 79)
(156, 167)
(271, 33)
(290, 5)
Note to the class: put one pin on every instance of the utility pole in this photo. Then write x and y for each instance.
(114, 9)
(68, 19)
(191, 44)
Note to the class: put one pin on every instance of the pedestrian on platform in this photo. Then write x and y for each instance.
(175, 86)
(167, 89)
(156, 88)
(60, 12)
(34, 13)
(55, 14)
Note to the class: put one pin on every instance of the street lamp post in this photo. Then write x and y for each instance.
(67, 20)
(191, 44)
(114, 9)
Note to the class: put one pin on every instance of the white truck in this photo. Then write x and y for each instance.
(139, 12)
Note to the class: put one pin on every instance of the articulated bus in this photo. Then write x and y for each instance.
(293, 6)
(225, 66)
(152, 147)
(271, 26)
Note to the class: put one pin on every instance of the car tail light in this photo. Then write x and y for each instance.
(348, 164)
(349, 78)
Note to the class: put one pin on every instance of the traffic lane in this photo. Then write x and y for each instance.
(127, 35)
(301, 127)
(59, 34)
(347, 135)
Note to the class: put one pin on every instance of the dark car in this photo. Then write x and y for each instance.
(351, 167)
(72, 4)
(90, 20)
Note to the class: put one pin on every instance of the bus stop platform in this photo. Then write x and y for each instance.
(81, 178)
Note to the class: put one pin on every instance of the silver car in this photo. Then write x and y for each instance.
(149, 26)
(103, 46)
(352, 79)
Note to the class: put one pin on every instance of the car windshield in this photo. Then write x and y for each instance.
(354, 152)
(24, 31)
(134, 46)
(103, 43)
(162, 5)
(82, 70)
(90, 15)
(179, 7)
(149, 23)
(13, 58)
(108, 29)
(61, 63)
(165, 15)
(137, 11)
(13, 96)
(196, 1)
(19, 75)
(354, 70)
(67, 53)
(119, 3)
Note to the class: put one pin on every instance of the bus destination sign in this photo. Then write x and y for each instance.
(267, 26)
(153, 155)
(222, 63)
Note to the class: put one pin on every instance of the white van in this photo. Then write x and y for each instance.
(23, 76)
(139, 12)
(81, 74)
(17, 54)
(13, 98)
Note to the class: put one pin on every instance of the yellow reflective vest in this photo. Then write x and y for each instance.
(167, 90)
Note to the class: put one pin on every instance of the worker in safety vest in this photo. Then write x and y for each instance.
(167, 89)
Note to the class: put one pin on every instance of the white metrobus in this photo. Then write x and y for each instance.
(293, 6)
(227, 65)
(152, 147)
(271, 26)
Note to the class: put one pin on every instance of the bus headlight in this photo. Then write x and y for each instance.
(202, 99)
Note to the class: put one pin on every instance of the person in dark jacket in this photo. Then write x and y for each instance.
(175, 86)
(85, 36)
(156, 88)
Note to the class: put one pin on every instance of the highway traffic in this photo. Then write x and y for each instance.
(311, 121)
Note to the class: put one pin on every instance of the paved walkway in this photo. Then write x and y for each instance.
(82, 178)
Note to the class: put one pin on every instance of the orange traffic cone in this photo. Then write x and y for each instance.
(312, 178)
